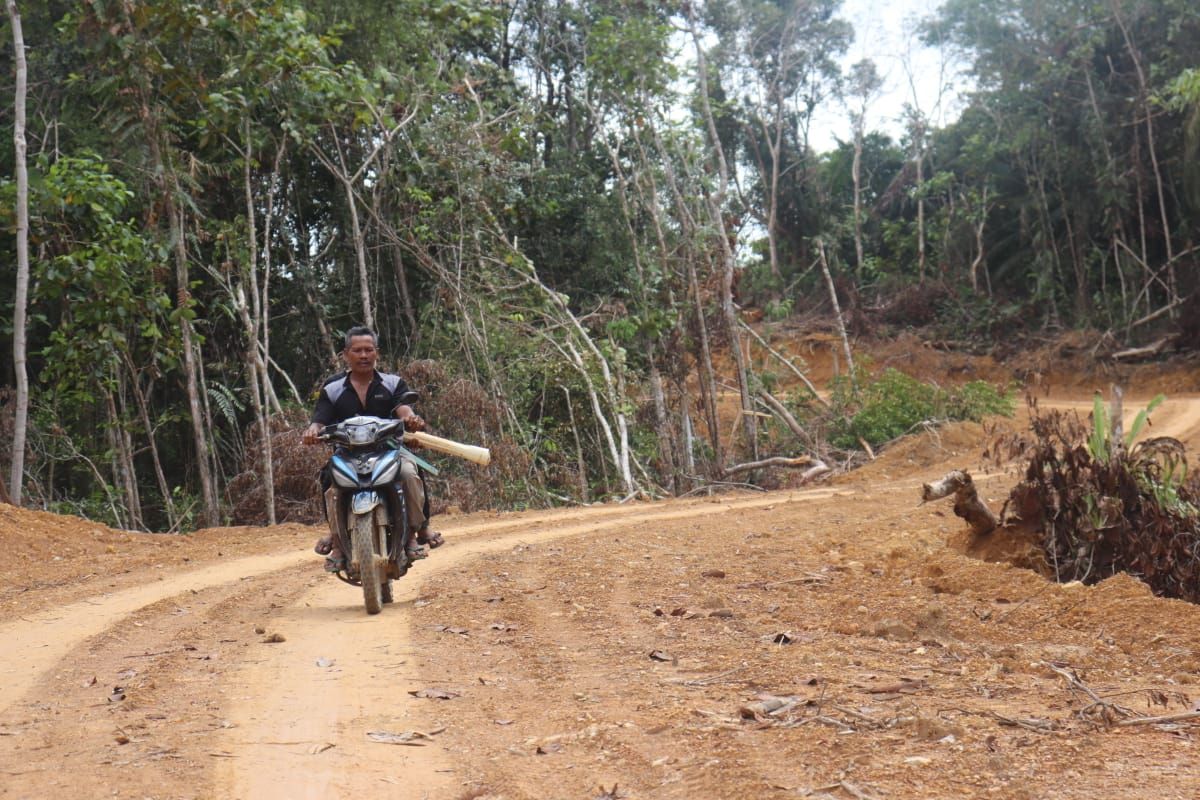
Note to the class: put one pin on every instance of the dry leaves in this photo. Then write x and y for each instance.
(435, 694)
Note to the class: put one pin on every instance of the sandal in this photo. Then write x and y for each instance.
(335, 565)
(324, 546)
(431, 538)
(416, 552)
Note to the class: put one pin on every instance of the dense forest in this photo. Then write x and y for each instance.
(561, 216)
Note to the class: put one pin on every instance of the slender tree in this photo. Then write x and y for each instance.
(21, 300)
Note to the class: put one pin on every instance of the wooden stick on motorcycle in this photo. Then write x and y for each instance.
(478, 455)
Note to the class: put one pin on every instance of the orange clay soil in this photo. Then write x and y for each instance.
(633, 651)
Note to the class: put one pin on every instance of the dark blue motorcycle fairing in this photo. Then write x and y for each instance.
(383, 465)
(343, 468)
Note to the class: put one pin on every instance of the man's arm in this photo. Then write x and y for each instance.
(412, 422)
(321, 416)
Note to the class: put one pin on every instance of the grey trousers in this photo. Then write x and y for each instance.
(414, 494)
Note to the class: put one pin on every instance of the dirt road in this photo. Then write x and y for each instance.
(581, 650)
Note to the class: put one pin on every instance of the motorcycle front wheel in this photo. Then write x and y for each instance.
(369, 573)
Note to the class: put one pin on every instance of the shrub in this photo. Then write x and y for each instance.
(893, 404)
(1101, 505)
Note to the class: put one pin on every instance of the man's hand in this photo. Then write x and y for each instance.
(310, 433)
(413, 423)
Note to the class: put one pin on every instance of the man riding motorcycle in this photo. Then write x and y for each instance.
(362, 390)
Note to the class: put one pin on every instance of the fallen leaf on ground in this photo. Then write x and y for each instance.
(713, 573)
(547, 749)
(435, 694)
(320, 748)
(448, 629)
(899, 688)
(409, 738)
(90, 681)
(503, 721)
(274, 638)
(661, 655)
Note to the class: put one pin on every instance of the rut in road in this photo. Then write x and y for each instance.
(176, 722)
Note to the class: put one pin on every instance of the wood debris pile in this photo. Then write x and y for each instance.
(1103, 506)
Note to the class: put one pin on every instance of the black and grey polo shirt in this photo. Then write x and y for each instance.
(338, 400)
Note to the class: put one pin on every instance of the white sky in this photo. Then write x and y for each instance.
(883, 33)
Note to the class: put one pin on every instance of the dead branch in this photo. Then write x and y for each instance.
(966, 501)
(795, 370)
(1029, 723)
(781, 411)
(1149, 351)
(1108, 711)
(1181, 717)
(775, 461)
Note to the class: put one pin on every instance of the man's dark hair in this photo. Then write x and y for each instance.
(361, 330)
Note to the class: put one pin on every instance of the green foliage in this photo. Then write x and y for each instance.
(1100, 444)
(892, 404)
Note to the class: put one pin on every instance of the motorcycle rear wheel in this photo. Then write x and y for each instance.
(363, 542)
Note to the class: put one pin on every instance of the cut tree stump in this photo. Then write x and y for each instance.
(966, 500)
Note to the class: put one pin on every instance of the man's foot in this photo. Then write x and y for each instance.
(324, 545)
(335, 562)
(416, 552)
(431, 538)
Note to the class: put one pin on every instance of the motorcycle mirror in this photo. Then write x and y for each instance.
(409, 397)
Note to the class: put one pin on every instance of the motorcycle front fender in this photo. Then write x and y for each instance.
(364, 502)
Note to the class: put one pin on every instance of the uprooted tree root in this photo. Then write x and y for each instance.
(1134, 511)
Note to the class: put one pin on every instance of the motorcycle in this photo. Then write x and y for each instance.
(366, 506)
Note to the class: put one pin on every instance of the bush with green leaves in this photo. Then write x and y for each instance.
(886, 407)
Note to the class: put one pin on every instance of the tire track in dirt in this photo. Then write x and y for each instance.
(51, 645)
(35, 642)
(300, 729)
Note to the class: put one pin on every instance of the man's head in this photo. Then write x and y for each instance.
(361, 351)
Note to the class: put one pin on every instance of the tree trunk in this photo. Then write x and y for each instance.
(581, 462)
(414, 332)
(168, 184)
(837, 313)
(17, 471)
(921, 205)
(715, 203)
(1148, 118)
(144, 413)
(251, 322)
(123, 462)
(707, 380)
(966, 500)
(856, 174)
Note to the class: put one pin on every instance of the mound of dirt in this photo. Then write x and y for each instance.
(62, 553)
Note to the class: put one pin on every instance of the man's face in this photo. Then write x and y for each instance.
(361, 355)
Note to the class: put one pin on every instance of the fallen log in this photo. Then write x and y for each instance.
(776, 461)
(1149, 351)
(966, 500)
